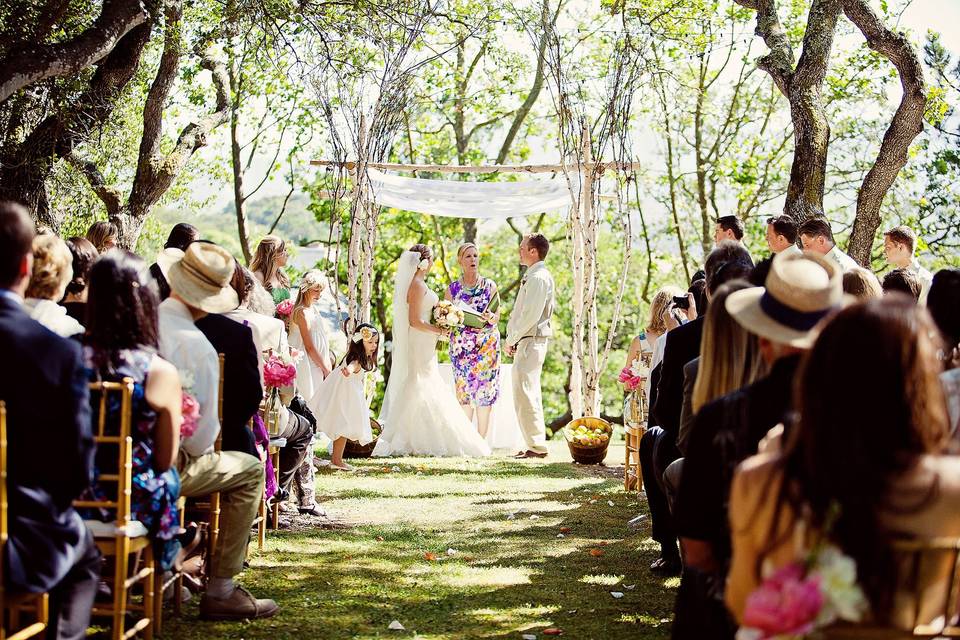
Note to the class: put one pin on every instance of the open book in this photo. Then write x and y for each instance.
(473, 319)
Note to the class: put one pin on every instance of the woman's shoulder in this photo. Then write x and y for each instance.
(757, 473)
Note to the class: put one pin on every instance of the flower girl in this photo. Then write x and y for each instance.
(307, 335)
(344, 413)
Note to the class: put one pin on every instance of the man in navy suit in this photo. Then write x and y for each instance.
(51, 446)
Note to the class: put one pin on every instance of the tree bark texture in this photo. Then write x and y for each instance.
(27, 65)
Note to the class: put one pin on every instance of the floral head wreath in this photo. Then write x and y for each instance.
(364, 333)
(423, 264)
(311, 280)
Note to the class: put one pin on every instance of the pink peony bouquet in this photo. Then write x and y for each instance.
(190, 410)
(633, 376)
(804, 596)
(285, 308)
(279, 371)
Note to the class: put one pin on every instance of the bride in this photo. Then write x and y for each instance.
(420, 415)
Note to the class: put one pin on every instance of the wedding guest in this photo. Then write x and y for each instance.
(943, 303)
(475, 351)
(267, 266)
(269, 333)
(121, 342)
(103, 235)
(863, 474)
(899, 245)
(862, 284)
(902, 281)
(528, 334)
(782, 234)
(346, 413)
(200, 284)
(801, 290)
(307, 334)
(658, 446)
(52, 272)
(50, 447)
(817, 236)
(242, 388)
(655, 329)
(177, 242)
(728, 228)
(75, 300)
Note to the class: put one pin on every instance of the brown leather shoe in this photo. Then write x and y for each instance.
(240, 605)
(530, 454)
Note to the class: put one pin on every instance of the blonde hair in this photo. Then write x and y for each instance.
(729, 354)
(52, 268)
(862, 283)
(661, 300)
(101, 231)
(265, 260)
(311, 280)
(463, 249)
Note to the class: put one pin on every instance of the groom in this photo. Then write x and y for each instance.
(527, 332)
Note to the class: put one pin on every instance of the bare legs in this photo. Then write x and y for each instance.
(483, 417)
(336, 459)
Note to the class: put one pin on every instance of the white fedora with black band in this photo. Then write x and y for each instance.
(801, 290)
(201, 278)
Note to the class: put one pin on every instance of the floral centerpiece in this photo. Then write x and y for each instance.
(189, 406)
(633, 376)
(805, 596)
(279, 371)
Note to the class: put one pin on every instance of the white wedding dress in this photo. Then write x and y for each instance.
(421, 415)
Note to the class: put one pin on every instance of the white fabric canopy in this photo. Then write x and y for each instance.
(456, 199)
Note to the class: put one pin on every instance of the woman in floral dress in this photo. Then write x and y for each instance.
(475, 351)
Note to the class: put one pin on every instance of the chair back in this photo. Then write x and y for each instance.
(218, 443)
(3, 492)
(109, 436)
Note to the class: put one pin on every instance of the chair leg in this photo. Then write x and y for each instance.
(626, 460)
(262, 525)
(149, 594)
(157, 579)
(120, 572)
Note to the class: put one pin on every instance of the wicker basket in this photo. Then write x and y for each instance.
(353, 449)
(584, 454)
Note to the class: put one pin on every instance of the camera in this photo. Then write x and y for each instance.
(681, 302)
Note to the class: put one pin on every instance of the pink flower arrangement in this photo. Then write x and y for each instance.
(279, 371)
(786, 604)
(190, 410)
(629, 380)
(285, 308)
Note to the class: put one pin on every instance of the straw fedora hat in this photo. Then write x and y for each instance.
(167, 258)
(201, 278)
(801, 290)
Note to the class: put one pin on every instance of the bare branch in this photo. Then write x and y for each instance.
(110, 196)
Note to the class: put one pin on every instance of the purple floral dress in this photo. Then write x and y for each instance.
(154, 495)
(475, 353)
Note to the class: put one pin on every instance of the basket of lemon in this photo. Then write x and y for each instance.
(354, 449)
(588, 439)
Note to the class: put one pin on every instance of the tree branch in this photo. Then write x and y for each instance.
(780, 60)
(110, 196)
(34, 63)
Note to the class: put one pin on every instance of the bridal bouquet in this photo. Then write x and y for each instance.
(804, 596)
(284, 309)
(447, 314)
(633, 376)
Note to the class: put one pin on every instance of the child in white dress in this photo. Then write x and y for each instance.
(343, 410)
(307, 335)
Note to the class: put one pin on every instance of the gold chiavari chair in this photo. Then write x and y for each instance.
(124, 537)
(12, 604)
(633, 430)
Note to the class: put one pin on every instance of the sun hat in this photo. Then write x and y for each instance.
(800, 291)
(201, 278)
(167, 258)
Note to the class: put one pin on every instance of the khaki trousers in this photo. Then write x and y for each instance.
(239, 479)
(527, 398)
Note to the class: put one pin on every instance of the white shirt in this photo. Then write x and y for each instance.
(845, 262)
(792, 249)
(534, 306)
(190, 352)
(924, 276)
(52, 316)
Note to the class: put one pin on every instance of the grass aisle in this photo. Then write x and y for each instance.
(461, 549)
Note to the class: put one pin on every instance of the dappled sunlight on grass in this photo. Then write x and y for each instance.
(519, 535)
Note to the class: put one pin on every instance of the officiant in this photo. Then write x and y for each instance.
(475, 346)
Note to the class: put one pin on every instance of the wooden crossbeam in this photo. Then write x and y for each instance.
(493, 168)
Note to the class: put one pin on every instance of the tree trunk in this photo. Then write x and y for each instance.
(811, 135)
(239, 198)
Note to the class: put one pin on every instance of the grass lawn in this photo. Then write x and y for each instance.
(455, 548)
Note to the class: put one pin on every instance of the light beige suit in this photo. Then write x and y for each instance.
(529, 331)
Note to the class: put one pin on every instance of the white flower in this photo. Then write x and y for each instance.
(187, 380)
(388, 346)
(838, 581)
(422, 266)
